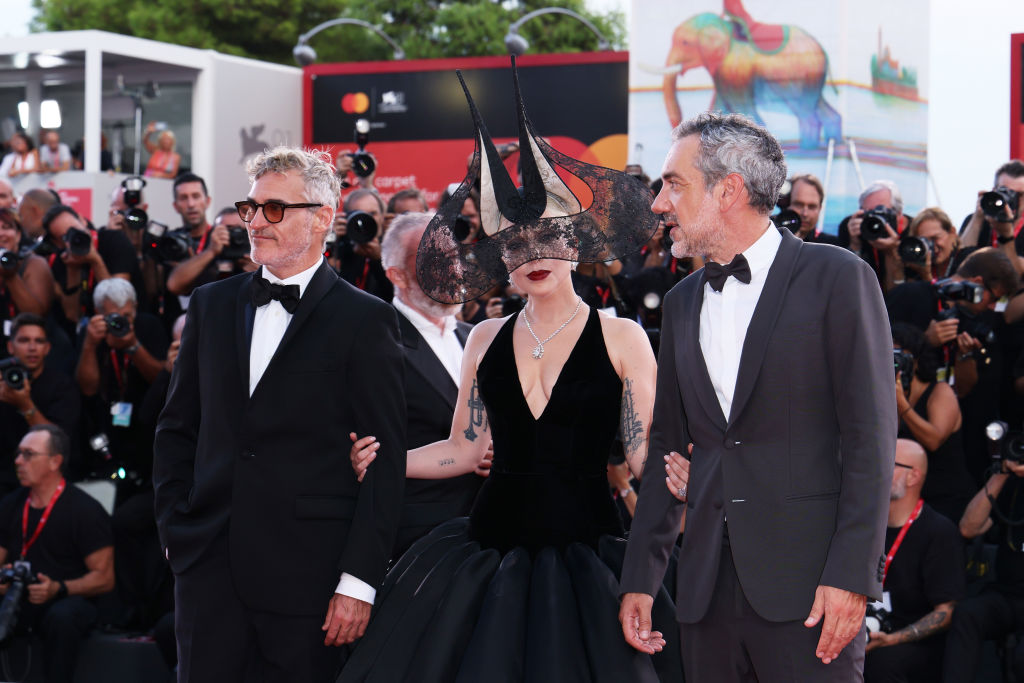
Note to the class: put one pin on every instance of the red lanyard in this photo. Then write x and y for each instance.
(995, 235)
(118, 372)
(202, 240)
(25, 545)
(361, 280)
(603, 292)
(899, 538)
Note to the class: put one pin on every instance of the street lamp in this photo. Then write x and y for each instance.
(305, 55)
(517, 45)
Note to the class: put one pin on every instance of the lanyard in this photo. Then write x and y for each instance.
(995, 235)
(26, 544)
(361, 280)
(603, 292)
(899, 537)
(118, 372)
(202, 241)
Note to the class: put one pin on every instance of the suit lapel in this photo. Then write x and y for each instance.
(697, 367)
(769, 304)
(422, 359)
(316, 290)
(245, 314)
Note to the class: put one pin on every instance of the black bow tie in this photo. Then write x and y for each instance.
(263, 291)
(717, 274)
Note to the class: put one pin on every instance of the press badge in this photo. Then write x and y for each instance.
(7, 328)
(121, 413)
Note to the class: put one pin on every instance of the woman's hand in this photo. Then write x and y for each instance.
(362, 453)
(678, 470)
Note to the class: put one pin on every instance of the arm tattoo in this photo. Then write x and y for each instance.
(446, 461)
(631, 428)
(926, 626)
(477, 416)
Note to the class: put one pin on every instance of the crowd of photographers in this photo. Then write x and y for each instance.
(91, 317)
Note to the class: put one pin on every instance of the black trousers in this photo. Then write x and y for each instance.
(220, 640)
(987, 616)
(733, 644)
(917, 662)
(63, 625)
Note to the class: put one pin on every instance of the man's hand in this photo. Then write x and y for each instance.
(890, 243)
(494, 307)
(219, 238)
(635, 617)
(362, 453)
(841, 613)
(44, 591)
(941, 332)
(346, 620)
(86, 260)
(853, 227)
(877, 639)
(370, 250)
(965, 343)
(483, 468)
(96, 330)
(172, 355)
(21, 399)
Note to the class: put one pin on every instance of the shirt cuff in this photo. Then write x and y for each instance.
(356, 588)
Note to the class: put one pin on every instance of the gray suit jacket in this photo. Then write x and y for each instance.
(803, 465)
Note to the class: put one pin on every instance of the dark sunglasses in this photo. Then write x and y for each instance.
(273, 211)
(899, 464)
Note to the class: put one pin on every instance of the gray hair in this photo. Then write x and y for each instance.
(879, 185)
(393, 248)
(356, 195)
(316, 167)
(115, 290)
(732, 143)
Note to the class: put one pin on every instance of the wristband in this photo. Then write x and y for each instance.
(625, 492)
(1004, 240)
(965, 356)
(130, 351)
(62, 590)
(28, 413)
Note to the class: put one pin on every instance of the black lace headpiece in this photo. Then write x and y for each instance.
(618, 221)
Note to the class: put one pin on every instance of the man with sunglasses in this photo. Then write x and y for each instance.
(276, 548)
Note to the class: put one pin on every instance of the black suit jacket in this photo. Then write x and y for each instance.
(272, 470)
(803, 465)
(430, 396)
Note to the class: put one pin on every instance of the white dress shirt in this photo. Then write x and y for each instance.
(443, 343)
(268, 327)
(725, 316)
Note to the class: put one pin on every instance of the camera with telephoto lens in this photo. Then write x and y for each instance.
(238, 244)
(363, 164)
(995, 203)
(512, 304)
(79, 242)
(14, 373)
(787, 218)
(9, 259)
(952, 291)
(15, 577)
(117, 325)
(878, 619)
(916, 250)
(1004, 444)
(875, 221)
(134, 217)
(903, 364)
(360, 227)
(165, 245)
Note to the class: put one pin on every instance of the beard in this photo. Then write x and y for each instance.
(430, 308)
(285, 253)
(898, 490)
(704, 234)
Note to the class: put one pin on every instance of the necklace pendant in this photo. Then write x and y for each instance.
(538, 352)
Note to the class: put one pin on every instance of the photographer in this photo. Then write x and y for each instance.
(874, 231)
(806, 197)
(43, 396)
(26, 284)
(223, 254)
(65, 535)
(1000, 227)
(999, 609)
(31, 209)
(357, 254)
(123, 351)
(923, 580)
(930, 248)
(929, 414)
(81, 258)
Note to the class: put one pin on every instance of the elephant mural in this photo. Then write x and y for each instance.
(785, 65)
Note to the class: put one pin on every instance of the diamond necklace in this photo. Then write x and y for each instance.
(538, 350)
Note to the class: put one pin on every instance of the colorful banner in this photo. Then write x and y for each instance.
(843, 85)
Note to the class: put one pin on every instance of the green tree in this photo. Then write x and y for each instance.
(269, 29)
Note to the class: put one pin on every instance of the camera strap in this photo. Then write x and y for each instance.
(361, 279)
(899, 537)
(202, 241)
(26, 544)
(120, 371)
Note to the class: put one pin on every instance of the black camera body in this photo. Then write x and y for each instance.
(14, 373)
(903, 364)
(238, 245)
(787, 218)
(995, 203)
(916, 250)
(363, 164)
(952, 291)
(878, 619)
(360, 227)
(9, 259)
(512, 304)
(117, 325)
(164, 245)
(16, 577)
(134, 219)
(78, 242)
(875, 221)
(1005, 444)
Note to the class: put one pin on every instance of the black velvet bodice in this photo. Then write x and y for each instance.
(548, 482)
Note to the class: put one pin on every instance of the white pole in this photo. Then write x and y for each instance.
(93, 108)
(828, 178)
(856, 161)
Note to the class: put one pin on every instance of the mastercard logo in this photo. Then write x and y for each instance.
(355, 103)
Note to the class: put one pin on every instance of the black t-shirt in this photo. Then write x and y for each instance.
(986, 239)
(1009, 540)
(78, 526)
(928, 568)
(913, 302)
(118, 256)
(365, 273)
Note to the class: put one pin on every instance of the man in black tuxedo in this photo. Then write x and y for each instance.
(431, 341)
(257, 507)
(777, 369)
